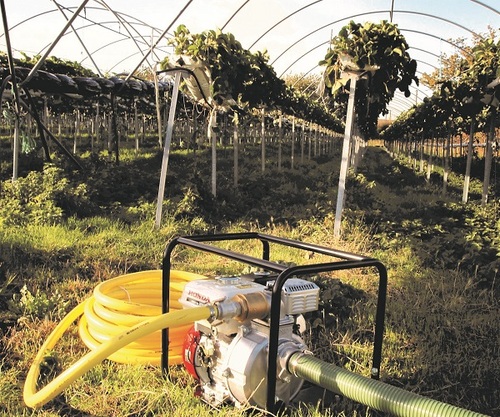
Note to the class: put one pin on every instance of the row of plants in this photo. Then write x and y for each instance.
(234, 77)
(375, 51)
(67, 85)
(470, 97)
(377, 54)
(90, 98)
(463, 105)
(288, 195)
(449, 233)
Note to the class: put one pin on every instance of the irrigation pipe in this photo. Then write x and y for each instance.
(128, 300)
(373, 393)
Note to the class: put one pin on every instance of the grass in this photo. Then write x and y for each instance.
(442, 318)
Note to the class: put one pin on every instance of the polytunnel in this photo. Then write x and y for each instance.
(256, 108)
(119, 42)
(116, 36)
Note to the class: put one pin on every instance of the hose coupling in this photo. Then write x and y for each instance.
(214, 312)
(253, 306)
(226, 310)
(294, 358)
(286, 351)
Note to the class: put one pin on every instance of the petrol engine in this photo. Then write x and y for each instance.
(229, 356)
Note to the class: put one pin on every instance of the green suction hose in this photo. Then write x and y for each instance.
(370, 392)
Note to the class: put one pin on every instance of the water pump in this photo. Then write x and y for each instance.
(249, 351)
(229, 356)
(245, 346)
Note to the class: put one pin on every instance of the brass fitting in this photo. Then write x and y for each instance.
(253, 306)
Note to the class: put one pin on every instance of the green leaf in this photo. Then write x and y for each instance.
(398, 51)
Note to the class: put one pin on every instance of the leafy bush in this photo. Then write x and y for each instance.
(32, 199)
(41, 198)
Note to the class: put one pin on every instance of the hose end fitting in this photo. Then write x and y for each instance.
(253, 306)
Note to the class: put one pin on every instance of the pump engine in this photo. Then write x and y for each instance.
(228, 356)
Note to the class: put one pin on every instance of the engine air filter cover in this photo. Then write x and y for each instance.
(300, 296)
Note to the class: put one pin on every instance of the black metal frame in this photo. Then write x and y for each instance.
(348, 261)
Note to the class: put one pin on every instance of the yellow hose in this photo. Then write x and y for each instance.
(125, 301)
(120, 314)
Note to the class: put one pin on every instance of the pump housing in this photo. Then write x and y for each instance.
(229, 356)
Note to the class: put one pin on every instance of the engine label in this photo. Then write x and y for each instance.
(197, 296)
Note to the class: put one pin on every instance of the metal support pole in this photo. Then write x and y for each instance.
(17, 105)
(212, 137)
(89, 55)
(166, 149)
(51, 47)
(345, 156)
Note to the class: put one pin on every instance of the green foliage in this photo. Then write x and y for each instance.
(56, 65)
(472, 95)
(444, 233)
(380, 52)
(481, 243)
(39, 198)
(483, 69)
(236, 73)
(240, 79)
(32, 199)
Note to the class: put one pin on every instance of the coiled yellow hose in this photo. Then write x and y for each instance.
(125, 301)
(121, 321)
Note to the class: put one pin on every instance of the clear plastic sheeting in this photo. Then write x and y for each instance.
(121, 36)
